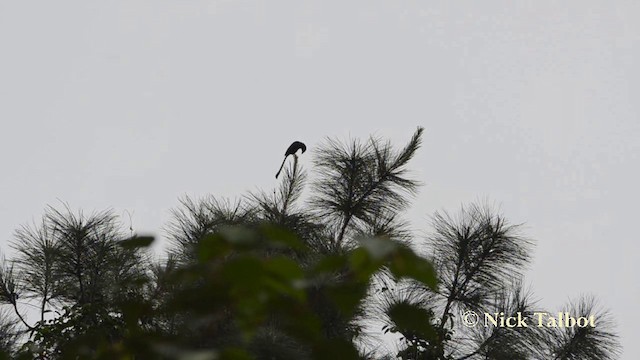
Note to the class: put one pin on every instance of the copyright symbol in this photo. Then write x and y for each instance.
(469, 318)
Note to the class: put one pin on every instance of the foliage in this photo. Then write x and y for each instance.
(277, 275)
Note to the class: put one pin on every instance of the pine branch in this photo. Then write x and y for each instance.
(357, 181)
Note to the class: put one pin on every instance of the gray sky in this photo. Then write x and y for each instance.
(531, 104)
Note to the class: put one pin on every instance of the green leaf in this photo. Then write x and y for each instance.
(407, 264)
(137, 242)
(378, 247)
(244, 271)
(412, 320)
(284, 268)
(235, 354)
(331, 264)
(240, 236)
(212, 247)
(363, 265)
(348, 295)
(285, 277)
(281, 236)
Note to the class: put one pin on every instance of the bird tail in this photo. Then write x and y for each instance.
(281, 166)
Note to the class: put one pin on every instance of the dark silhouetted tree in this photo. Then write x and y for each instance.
(325, 268)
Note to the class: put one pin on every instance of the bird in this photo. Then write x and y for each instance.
(292, 150)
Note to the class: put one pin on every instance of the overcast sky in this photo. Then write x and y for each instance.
(533, 105)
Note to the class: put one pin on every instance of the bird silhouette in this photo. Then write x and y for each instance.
(292, 150)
